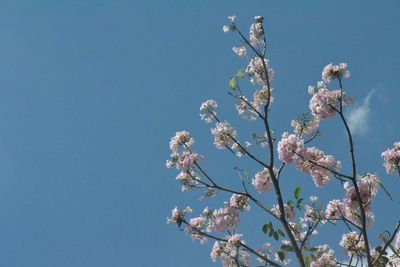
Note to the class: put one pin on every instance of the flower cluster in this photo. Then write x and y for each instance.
(391, 159)
(324, 257)
(231, 27)
(289, 212)
(225, 218)
(180, 139)
(316, 164)
(230, 253)
(256, 69)
(353, 244)
(349, 208)
(368, 186)
(241, 51)
(224, 135)
(324, 102)
(208, 112)
(240, 202)
(261, 97)
(289, 148)
(311, 161)
(332, 72)
(184, 160)
(178, 215)
(305, 125)
(257, 32)
(262, 181)
(245, 111)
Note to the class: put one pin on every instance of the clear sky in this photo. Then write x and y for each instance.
(92, 91)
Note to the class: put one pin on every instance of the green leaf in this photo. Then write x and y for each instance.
(307, 260)
(290, 203)
(271, 233)
(232, 83)
(281, 255)
(276, 236)
(297, 192)
(265, 228)
(287, 248)
(281, 233)
(241, 73)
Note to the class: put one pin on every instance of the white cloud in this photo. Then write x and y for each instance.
(359, 116)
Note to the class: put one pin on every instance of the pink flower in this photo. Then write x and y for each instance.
(327, 259)
(240, 51)
(288, 211)
(223, 135)
(353, 243)
(235, 239)
(239, 202)
(257, 33)
(391, 159)
(323, 102)
(255, 69)
(261, 98)
(305, 125)
(224, 219)
(332, 72)
(180, 139)
(335, 210)
(289, 147)
(262, 181)
(311, 161)
(208, 112)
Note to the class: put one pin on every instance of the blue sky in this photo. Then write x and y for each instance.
(92, 91)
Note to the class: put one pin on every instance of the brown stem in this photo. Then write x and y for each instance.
(355, 184)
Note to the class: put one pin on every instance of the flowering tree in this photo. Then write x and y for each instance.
(295, 231)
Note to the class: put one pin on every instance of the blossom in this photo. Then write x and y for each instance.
(244, 110)
(335, 210)
(187, 180)
(184, 161)
(234, 239)
(324, 102)
(225, 218)
(208, 110)
(326, 259)
(315, 163)
(351, 198)
(178, 215)
(305, 125)
(240, 51)
(257, 32)
(231, 27)
(240, 202)
(223, 135)
(195, 226)
(289, 211)
(256, 70)
(353, 243)
(230, 255)
(391, 159)
(181, 138)
(289, 147)
(332, 72)
(262, 181)
(216, 251)
(261, 98)
(313, 199)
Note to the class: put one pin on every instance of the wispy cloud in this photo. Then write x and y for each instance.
(359, 116)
